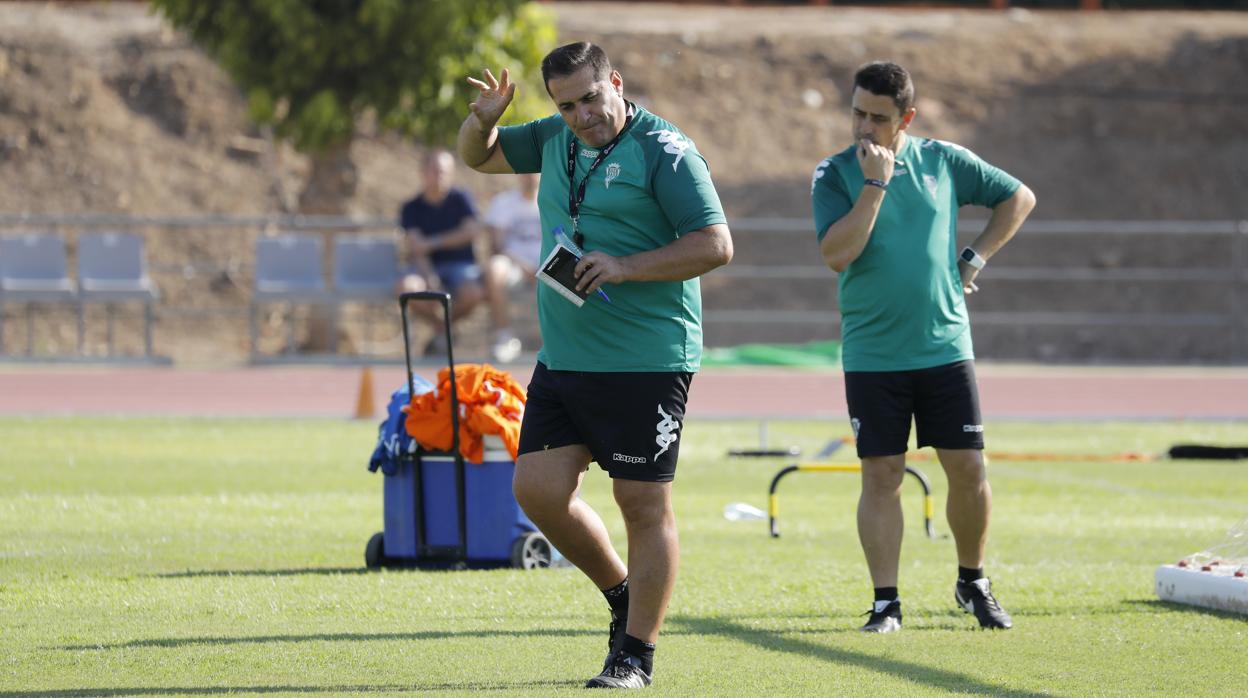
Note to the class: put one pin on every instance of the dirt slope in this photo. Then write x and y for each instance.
(102, 108)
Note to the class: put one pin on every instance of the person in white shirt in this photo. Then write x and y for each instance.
(516, 237)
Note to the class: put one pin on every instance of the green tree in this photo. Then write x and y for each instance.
(313, 68)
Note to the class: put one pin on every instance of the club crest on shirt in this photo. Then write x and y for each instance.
(613, 171)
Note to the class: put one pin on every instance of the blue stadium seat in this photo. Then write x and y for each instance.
(366, 268)
(112, 269)
(288, 270)
(32, 270)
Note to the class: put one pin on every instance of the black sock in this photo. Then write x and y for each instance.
(640, 649)
(886, 593)
(617, 599)
(966, 575)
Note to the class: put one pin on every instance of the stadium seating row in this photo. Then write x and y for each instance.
(112, 268)
(288, 269)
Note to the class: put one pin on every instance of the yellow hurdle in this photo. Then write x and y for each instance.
(773, 500)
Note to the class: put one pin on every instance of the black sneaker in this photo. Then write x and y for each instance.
(615, 636)
(885, 620)
(623, 670)
(976, 598)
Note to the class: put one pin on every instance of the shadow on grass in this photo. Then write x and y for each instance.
(1157, 606)
(244, 690)
(780, 642)
(292, 572)
(328, 637)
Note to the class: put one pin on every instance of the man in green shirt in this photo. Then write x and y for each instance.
(885, 213)
(613, 373)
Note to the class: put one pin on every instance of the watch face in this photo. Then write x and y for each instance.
(968, 255)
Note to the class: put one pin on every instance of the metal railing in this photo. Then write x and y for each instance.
(1100, 282)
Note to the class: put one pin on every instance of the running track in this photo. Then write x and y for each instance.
(1008, 392)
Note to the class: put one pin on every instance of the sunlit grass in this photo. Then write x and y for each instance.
(179, 557)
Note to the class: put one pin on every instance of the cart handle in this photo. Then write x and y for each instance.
(445, 300)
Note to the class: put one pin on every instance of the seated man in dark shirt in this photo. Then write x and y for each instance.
(439, 228)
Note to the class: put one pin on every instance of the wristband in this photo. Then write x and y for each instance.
(875, 183)
(972, 258)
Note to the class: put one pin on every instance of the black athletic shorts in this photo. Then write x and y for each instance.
(943, 400)
(630, 422)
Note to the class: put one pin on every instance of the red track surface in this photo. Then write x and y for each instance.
(1008, 392)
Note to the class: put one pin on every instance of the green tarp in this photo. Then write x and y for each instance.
(825, 354)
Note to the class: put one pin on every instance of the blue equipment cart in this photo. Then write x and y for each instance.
(442, 512)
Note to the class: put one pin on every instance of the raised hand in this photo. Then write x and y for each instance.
(496, 94)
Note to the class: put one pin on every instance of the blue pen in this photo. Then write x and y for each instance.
(562, 238)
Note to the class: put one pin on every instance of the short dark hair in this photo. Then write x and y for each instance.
(889, 80)
(568, 59)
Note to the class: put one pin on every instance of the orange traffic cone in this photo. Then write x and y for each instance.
(365, 407)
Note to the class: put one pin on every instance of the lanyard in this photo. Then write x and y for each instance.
(576, 194)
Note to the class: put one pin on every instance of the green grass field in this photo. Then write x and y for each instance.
(189, 557)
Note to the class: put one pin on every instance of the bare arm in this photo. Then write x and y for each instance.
(1005, 220)
(478, 135)
(847, 237)
(692, 254)
(460, 236)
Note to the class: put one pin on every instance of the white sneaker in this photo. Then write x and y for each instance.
(506, 348)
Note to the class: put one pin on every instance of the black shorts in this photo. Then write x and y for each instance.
(630, 422)
(943, 400)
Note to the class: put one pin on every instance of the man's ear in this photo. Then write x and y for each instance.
(907, 118)
(617, 81)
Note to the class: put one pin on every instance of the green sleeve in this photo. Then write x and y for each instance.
(683, 188)
(976, 182)
(828, 198)
(522, 145)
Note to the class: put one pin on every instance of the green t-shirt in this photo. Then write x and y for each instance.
(652, 188)
(902, 304)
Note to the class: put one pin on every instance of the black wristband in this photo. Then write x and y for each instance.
(875, 183)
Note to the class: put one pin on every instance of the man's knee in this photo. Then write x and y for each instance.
(644, 503)
(535, 494)
(882, 476)
(963, 467)
(546, 481)
(412, 283)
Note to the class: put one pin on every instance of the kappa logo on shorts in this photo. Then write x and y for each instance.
(973, 428)
(666, 432)
(624, 458)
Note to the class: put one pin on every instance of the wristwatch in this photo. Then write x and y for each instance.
(972, 258)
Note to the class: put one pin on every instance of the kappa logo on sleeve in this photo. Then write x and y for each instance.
(673, 144)
(822, 168)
